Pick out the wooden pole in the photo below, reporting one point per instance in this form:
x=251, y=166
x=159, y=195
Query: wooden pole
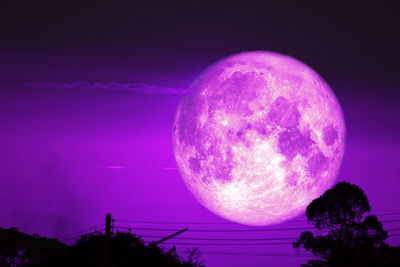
x=107, y=241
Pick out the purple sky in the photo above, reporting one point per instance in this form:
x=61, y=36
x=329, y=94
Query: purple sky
x=55, y=144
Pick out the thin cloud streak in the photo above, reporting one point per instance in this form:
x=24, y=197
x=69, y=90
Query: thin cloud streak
x=138, y=87
x=116, y=167
x=112, y=167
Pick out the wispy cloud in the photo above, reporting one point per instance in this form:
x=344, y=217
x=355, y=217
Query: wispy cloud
x=118, y=167
x=113, y=86
x=114, y=167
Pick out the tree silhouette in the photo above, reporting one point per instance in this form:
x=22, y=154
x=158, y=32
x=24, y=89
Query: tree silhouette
x=19, y=249
x=126, y=249
x=347, y=236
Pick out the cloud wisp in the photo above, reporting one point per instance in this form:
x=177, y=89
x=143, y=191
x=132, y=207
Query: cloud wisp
x=118, y=167
x=138, y=87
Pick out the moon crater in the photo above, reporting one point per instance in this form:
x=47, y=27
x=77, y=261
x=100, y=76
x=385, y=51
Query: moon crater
x=262, y=136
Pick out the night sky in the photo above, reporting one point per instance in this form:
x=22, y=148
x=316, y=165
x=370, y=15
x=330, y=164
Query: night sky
x=69, y=156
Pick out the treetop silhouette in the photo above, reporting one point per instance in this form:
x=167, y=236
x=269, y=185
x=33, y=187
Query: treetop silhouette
x=126, y=249
x=347, y=236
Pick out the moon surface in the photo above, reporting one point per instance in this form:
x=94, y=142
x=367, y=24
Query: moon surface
x=260, y=138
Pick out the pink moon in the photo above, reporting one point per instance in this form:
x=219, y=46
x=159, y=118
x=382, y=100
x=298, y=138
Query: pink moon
x=261, y=137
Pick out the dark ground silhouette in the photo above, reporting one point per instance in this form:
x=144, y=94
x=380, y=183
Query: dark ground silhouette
x=126, y=249
x=347, y=237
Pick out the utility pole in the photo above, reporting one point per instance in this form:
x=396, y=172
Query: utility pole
x=168, y=237
x=107, y=241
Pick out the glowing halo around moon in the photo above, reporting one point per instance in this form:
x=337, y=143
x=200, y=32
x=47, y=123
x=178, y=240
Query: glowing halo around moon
x=260, y=138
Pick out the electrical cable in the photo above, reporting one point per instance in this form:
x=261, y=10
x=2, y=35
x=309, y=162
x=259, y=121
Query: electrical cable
x=79, y=236
x=227, y=244
x=217, y=230
x=216, y=223
x=224, y=239
x=82, y=231
x=227, y=253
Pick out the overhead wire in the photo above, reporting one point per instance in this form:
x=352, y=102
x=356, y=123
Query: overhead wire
x=390, y=221
x=203, y=230
x=219, y=223
x=228, y=253
x=393, y=230
x=387, y=213
x=216, y=230
x=236, y=230
x=224, y=239
x=81, y=231
x=165, y=222
x=228, y=244
x=78, y=236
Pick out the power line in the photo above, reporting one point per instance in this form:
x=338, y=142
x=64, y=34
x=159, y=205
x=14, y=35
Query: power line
x=215, y=239
x=70, y=238
x=255, y=254
x=392, y=230
x=188, y=222
x=228, y=253
x=208, y=230
x=228, y=244
x=79, y=236
x=227, y=230
x=225, y=239
x=389, y=221
x=218, y=239
x=164, y=222
x=82, y=231
x=219, y=230
x=233, y=239
x=388, y=213
x=216, y=223
x=147, y=229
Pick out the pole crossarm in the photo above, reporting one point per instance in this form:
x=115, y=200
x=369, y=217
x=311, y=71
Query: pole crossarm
x=169, y=237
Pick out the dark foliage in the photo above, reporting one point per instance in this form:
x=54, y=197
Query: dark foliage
x=347, y=237
x=19, y=249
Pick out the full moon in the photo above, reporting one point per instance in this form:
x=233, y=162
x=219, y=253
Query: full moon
x=261, y=137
